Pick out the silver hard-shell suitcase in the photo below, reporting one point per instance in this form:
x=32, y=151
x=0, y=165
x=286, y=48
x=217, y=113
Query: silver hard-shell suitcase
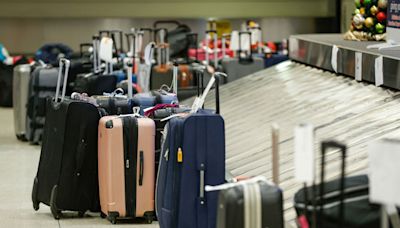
x=20, y=98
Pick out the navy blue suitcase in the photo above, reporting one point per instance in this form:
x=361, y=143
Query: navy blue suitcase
x=193, y=155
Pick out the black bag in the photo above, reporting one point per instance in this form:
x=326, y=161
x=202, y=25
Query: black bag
x=6, y=82
x=340, y=203
x=176, y=37
x=233, y=203
x=67, y=176
x=95, y=84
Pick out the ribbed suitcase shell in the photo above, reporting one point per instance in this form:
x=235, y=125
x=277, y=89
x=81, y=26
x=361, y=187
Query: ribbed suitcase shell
x=113, y=168
x=20, y=98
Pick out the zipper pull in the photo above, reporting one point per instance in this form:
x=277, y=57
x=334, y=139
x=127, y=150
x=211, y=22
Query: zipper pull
x=166, y=155
x=180, y=155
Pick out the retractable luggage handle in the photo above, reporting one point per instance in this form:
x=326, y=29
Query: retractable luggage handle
x=162, y=45
x=121, y=40
x=171, y=22
x=199, y=102
x=175, y=78
x=224, y=39
x=163, y=37
x=324, y=147
x=66, y=63
x=129, y=72
x=96, y=58
x=131, y=40
x=250, y=57
x=195, y=40
x=81, y=46
x=215, y=50
x=260, y=45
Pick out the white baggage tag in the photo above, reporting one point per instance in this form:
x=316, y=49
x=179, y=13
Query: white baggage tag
x=234, y=46
x=304, y=158
x=384, y=175
x=106, y=49
x=358, y=65
x=379, y=71
x=335, y=51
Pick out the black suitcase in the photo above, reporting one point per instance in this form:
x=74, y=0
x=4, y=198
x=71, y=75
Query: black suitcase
x=67, y=174
x=254, y=203
x=343, y=202
x=6, y=85
x=262, y=209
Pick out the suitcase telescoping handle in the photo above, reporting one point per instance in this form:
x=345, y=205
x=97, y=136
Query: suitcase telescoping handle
x=324, y=148
x=199, y=101
x=209, y=36
x=249, y=57
x=175, y=78
x=166, y=22
x=63, y=63
x=83, y=45
x=161, y=35
x=193, y=39
x=129, y=72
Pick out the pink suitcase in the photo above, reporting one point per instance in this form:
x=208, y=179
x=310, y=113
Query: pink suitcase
x=126, y=167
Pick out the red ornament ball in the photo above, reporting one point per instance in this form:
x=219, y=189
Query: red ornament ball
x=381, y=17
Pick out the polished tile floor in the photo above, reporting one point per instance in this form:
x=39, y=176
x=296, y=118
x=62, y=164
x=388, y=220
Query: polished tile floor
x=18, y=165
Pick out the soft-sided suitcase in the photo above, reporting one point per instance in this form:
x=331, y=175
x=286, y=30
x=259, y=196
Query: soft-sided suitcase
x=67, y=176
x=20, y=98
x=193, y=155
x=42, y=84
x=6, y=81
x=242, y=65
x=343, y=202
x=126, y=167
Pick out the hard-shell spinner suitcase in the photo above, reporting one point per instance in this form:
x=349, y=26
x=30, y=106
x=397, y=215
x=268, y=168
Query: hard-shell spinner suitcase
x=242, y=65
x=67, y=176
x=20, y=98
x=193, y=156
x=42, y=85
x=126, y=167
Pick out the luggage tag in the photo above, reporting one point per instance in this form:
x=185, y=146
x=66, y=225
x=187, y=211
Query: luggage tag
x=136, y=113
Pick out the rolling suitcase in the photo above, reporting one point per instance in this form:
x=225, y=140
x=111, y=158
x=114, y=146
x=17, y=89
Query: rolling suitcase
x=42, y=84
x=193, y=155
x=343, y=202
x=245, y=64
x=20, y=98
x=161, y=74
x=67, y=176
x=126, y=167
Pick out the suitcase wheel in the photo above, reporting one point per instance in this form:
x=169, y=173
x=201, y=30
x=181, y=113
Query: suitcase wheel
x=149, y=217
x=35, y=201
x=54, y=210
x=21, y=137
x=102, y=215
x=112, y=217
x=81, y=214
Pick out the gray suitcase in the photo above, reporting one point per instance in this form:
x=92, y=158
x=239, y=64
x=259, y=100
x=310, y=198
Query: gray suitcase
x=42, y=84
x=20, y=98
x=245, y=64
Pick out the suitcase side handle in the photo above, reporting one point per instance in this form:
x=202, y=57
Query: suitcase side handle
x=63, y=63
x=141, y=168
x=324, y=148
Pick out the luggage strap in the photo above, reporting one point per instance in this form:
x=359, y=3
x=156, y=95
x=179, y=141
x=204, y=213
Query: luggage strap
x=201, y=151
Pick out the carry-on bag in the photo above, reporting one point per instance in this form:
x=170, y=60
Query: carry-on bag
x=42, y=84
x=126, y=167
x=245, y=64
x=343, y=202
x=20, y=98
x=193, y=155
x=67, y=176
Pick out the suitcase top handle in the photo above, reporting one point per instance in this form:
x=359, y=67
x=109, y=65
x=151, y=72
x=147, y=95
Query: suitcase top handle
x=343, y=149
x=199, y=101
x=63, y=63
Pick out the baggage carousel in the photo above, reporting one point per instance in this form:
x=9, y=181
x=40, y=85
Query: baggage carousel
x=316, y=50
x=290, y=93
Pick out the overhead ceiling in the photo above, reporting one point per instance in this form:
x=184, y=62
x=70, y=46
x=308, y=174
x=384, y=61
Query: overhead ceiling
x=165, y=8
